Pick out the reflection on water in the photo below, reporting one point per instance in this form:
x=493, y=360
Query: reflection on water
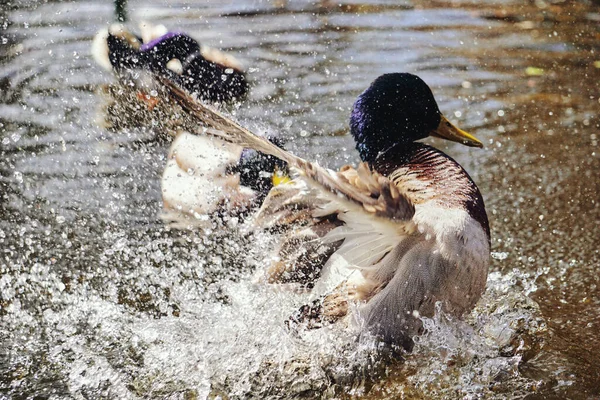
x=98, y=299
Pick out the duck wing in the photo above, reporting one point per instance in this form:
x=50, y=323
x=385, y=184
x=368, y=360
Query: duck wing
x=368, y=192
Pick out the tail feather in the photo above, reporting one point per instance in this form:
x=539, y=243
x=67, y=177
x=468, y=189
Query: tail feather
x=371, y=191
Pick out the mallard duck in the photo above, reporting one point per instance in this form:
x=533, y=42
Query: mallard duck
x=205, y=72
x=411, y=223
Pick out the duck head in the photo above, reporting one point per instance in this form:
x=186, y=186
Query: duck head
x=261, y=172
x=399, y=108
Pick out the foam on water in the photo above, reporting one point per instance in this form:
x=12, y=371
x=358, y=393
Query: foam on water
x=221, y=331
x=481, y=355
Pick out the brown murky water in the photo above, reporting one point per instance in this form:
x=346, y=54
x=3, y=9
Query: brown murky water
x=96, y=295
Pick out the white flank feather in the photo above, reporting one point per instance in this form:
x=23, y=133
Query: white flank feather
x=457, y=234
x=100, y=49
x=195, y=180
x=219, y=57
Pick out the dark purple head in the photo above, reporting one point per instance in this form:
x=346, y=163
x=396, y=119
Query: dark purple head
x=396, y=108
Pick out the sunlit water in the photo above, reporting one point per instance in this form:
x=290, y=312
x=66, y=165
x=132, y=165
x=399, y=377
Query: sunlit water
x=99, y=300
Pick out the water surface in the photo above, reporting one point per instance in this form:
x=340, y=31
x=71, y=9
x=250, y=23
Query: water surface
x=99, y=300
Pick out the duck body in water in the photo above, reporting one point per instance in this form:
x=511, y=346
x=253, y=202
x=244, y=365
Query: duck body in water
x=409, y=222
x=204, y=72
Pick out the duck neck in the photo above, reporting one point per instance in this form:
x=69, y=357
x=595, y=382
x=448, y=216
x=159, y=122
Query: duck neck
x=375, y=134
x=371, y=150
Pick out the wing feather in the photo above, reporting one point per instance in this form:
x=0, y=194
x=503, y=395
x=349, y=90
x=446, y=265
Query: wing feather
x=369, y=190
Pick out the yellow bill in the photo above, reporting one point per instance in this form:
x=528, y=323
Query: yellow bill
x=280, y=177
x=446, y=130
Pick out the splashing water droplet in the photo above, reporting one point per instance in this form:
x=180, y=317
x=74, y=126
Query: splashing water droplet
x=499, y=255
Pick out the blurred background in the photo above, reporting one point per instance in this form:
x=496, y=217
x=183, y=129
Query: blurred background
x=99, y=300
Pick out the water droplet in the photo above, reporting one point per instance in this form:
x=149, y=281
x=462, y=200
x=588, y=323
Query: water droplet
x=499, y=255
x=120, y=244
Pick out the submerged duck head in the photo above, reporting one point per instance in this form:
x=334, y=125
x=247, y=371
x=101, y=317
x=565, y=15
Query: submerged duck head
x=261, y=172
x=399, y=108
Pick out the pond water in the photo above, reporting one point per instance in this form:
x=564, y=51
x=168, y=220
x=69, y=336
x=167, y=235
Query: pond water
x=98, y=299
